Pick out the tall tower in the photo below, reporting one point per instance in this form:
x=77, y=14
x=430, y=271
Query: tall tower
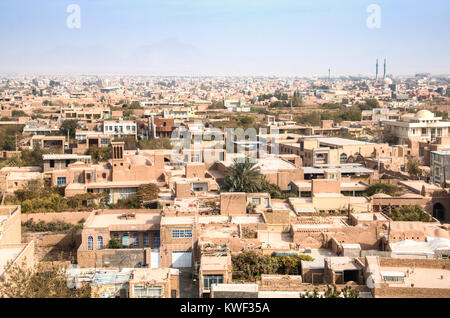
x=384, y=72
x=329, y=74
x=376, y=71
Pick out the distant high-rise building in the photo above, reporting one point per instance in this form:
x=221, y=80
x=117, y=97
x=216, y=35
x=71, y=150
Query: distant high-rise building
x=376, y=71
x=384, y=72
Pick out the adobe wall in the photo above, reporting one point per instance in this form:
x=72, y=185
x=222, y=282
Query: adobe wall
x=325, y=186
x=418, y=263
x=233, y=203
x=67, y=217
x=111, y=258
x=11, y=230
x=195, y=170
x=277, y=217
x=410, y=292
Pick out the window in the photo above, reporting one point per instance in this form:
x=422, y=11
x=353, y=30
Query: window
x=343, y=158
x=90, y=243
x=156, y=240
x=67, y=163
x=116, y=236
x=100, y=243
x=266, y=202
x=445, y=256
x=181, y=233
x=208, y=280
x=52, y=163
x=256, y=201
x=136, y=240
x=61, y=181
x=146, y=240
x=393, y=278
x=126, y=239
x=125, y=193
x=141, y=291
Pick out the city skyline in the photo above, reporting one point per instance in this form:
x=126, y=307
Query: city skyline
x=205, y=38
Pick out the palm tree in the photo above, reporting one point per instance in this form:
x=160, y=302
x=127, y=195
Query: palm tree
x=243, y=177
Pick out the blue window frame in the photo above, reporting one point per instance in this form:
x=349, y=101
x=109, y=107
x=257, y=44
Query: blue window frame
x=100, y=242
x=90, y=243
x=156, y=240
x=136, y=240
x=61, y=181
x=146, y=240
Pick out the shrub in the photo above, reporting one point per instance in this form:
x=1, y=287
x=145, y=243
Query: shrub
x=410, y=213
x=115, y=243
x=249, y=266
x=41, y=226
x=385, y=188
x=147, y=192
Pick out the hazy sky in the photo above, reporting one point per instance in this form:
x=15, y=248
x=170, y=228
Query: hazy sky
x=226, y=37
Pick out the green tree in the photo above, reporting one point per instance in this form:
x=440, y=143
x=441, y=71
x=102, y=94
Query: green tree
x=39, y=282
x=114, y=243
x=378, y=187
x=135, y=105
x=243, y=177
x=147, y=192
x=410, y=213
x=159, y=143
x=369, y=104
x=100, y=154
x=69, y=125
x=413, y=167
x=19, y=113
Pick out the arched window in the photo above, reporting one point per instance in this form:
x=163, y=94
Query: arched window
x=90, y=243
x=100, y=242
x=343, y=158
x=136, y=240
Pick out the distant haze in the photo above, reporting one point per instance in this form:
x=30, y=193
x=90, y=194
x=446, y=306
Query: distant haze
x=224, y=37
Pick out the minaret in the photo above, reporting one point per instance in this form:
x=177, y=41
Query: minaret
x=329, y=74
x=384, y=72
x=376, y=72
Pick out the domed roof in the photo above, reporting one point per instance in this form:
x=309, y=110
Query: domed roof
x=424, y=114
x=139, y=160
x=388, y=81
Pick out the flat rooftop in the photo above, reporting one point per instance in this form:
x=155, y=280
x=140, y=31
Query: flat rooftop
x=154, y=274
x=342, y=141
x=369, y=216
x=108, y=219
x=64, y=156
x=214, y=263
x=177, y=220
x=421, y=277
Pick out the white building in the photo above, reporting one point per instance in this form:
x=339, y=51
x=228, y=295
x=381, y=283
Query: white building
x=423, y=126
x=119, y=128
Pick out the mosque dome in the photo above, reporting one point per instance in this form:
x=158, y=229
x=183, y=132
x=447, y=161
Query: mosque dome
x=387, y=81
x=424, y=114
